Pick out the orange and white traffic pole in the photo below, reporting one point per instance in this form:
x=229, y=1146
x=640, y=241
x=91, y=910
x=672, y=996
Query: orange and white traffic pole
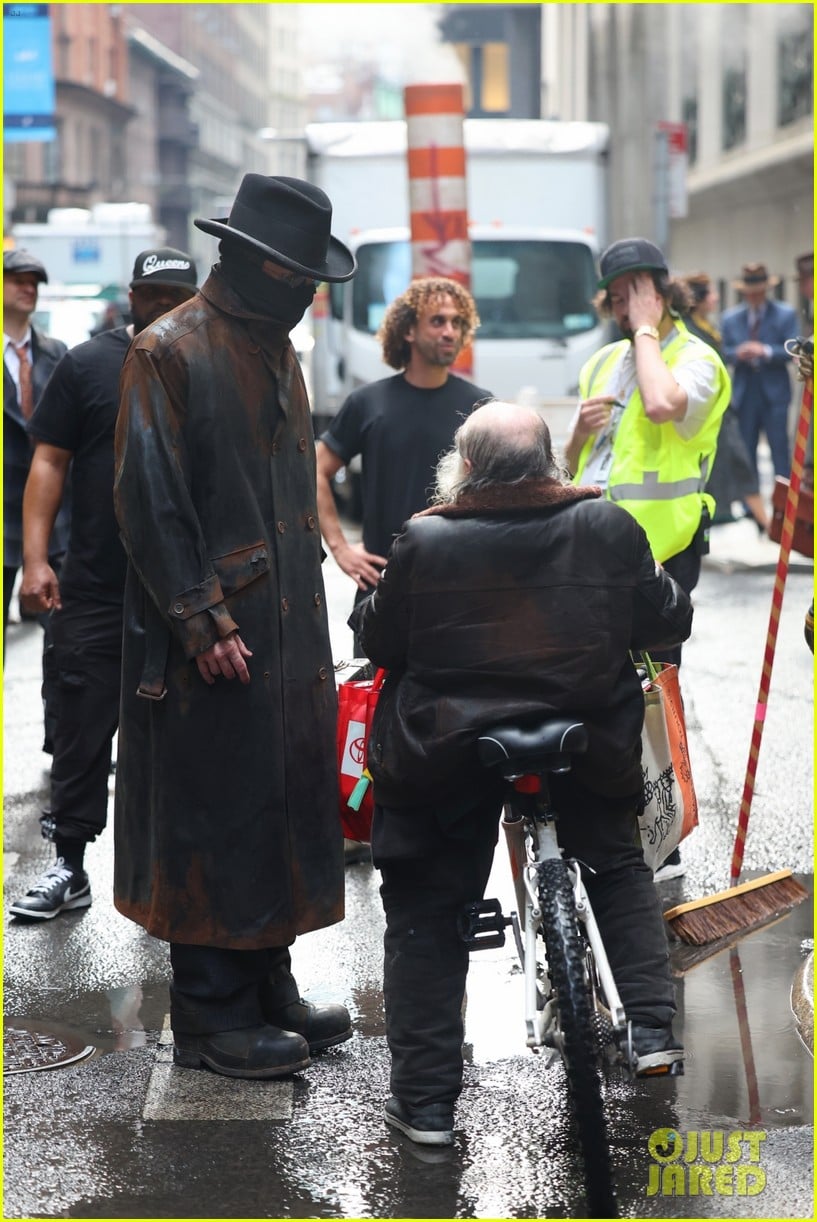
x=438, y=202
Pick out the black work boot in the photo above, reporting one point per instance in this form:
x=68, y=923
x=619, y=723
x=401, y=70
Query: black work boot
x=281, y=1004
x=249, y=1052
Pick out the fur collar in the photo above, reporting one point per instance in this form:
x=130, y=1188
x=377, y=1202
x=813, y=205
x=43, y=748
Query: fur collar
x=530, y=496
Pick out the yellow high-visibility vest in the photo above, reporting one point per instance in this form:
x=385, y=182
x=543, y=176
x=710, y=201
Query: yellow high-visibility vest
x=657, y=475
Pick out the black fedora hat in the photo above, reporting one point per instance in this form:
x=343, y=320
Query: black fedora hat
x=289, y=221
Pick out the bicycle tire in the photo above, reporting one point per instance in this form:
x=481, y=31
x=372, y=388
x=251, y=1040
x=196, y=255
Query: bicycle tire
x=566, y=966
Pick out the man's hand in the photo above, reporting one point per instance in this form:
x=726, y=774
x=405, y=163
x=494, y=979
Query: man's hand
x=363, y=567
x=645, y=305
x=751, y=350
x=225, y=658
x=594, y=415
x=39, y=588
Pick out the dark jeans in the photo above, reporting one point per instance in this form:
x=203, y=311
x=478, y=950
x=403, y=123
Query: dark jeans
x=758, y=415
x=685, y=568
x=216, y=989
x=429, y=873
x=87, y=650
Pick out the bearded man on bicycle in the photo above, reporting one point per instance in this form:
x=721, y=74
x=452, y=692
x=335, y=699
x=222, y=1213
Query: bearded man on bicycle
x=514, y=596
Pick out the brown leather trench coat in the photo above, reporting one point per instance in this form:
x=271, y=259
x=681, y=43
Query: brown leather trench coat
x=226, y=824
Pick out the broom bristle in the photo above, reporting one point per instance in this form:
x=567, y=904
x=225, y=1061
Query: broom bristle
x=720, y=915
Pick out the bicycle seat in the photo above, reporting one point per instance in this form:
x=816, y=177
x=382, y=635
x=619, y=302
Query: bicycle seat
x=541, y=746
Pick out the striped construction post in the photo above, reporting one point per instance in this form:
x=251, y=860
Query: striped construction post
x=761, y=706
x=438, y=203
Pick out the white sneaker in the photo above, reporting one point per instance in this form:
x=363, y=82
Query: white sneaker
x=673, y=867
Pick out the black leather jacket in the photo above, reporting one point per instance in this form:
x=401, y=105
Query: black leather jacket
x=519, y=601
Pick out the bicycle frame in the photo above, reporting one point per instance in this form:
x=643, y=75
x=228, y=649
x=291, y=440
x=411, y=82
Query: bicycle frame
x=531, y=838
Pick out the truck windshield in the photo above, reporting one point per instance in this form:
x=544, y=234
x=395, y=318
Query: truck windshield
x=524, y=289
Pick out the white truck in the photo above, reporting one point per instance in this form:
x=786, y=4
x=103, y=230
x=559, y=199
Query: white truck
x=97, y=245
x=537, y=209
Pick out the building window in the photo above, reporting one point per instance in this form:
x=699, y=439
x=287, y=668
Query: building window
x=795, y=65
x=496, y=89
x=733, y=41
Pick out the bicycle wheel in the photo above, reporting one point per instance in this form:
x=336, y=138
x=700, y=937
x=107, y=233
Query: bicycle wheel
x=566, y=965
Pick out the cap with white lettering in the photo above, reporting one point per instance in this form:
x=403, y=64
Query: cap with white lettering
x=164, y=266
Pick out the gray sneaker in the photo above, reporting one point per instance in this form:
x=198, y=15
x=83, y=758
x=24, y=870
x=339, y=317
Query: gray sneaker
x=59, y=889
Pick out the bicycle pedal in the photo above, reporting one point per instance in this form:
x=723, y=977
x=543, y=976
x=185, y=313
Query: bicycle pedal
x=481, y=925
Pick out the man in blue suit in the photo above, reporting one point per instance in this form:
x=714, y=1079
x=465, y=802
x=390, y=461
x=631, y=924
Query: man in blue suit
x=753, y=337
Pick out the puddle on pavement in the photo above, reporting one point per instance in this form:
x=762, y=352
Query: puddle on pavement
x=745, y=1057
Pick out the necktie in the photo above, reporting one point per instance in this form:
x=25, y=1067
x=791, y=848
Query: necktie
x=754, y=326
x=26, y=388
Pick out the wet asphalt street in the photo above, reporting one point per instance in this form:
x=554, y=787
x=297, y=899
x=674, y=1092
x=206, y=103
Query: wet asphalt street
x=122, y=1134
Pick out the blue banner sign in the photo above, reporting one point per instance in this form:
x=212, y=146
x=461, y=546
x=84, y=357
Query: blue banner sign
x=28, y=75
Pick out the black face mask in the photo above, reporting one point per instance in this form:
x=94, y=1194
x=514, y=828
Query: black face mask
x=273, y=298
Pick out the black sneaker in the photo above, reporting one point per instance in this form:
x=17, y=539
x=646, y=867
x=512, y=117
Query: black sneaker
x=60, y=888
x=672, y=867
x=430, y=1126
x=657, y=1051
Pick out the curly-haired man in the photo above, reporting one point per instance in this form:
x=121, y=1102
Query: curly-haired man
x=400, y=425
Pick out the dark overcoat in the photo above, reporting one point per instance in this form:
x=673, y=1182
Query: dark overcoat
x=226, y=825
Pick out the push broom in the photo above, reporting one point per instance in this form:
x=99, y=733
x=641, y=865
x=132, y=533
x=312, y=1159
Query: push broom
x=743, y=906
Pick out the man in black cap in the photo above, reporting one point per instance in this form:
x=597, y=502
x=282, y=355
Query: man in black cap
x=227, y=838
x=29, y=358
x=651, y=404
x=647, y=424
x=74, y=424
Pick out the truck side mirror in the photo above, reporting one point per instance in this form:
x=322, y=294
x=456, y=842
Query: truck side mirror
x=336, y=301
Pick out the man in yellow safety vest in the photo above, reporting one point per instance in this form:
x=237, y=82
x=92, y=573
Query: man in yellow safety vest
x=651, y=406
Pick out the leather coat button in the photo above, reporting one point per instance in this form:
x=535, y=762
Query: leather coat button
x=254, y=349
x=323, y=672
x=310, y=523
x=281, y=527
x=275, y=447
x=302, y=444
x=284, y=604
x=178, y=608
x=317, y=600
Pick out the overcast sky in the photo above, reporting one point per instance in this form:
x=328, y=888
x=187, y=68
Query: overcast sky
x=401, y=37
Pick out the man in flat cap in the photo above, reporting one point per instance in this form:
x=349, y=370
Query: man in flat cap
x=754, y=336
x=227, y=838
x=73, y=427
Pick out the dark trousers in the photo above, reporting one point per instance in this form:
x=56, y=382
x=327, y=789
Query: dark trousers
x=216, y=989
x=429, y=872
x=87, y=650
x=685, y=568
x=757, y=415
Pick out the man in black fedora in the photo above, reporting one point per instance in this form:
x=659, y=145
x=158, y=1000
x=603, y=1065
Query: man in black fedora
x=227, y=839
x=754, y=338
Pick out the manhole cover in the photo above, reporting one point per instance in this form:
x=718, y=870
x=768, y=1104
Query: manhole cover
x=27, y=1047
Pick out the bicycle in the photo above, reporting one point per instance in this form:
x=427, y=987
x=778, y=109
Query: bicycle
x=572, y=1005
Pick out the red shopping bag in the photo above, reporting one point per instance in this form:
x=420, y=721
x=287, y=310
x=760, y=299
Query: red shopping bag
x=357, y=700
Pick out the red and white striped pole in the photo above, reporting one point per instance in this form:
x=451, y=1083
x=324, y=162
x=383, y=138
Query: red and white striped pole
x=438, y=202
x=786, y=536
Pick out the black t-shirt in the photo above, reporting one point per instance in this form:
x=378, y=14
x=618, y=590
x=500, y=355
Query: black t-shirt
x=77, y=412
x=400, y=432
